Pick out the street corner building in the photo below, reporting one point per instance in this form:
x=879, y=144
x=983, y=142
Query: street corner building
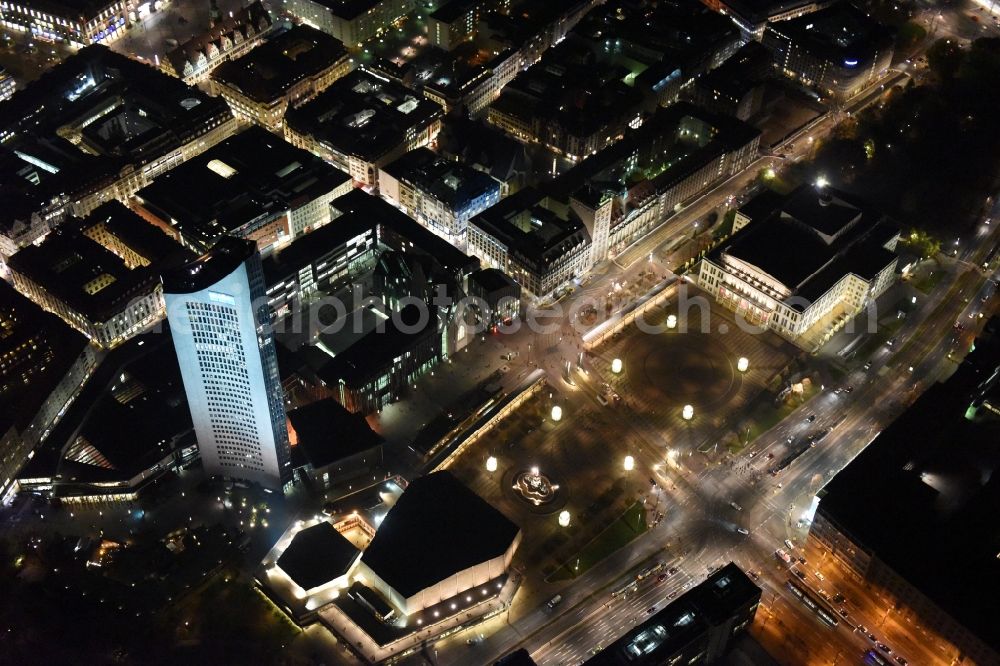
x=221, y=328
x=803, y=264
x=453, y=541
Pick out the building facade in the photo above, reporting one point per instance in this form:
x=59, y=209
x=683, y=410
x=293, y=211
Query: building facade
x=100, y=274
x=845, y=260
x=221, y=327
x=76, y=24
x=230, y=39
x=129, y=123
x=288, y=70
x=438, y=193
x=838, y=51
x=363, y=122
x=353, y=22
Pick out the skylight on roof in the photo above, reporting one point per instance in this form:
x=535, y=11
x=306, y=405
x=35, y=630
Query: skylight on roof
x=221, y=169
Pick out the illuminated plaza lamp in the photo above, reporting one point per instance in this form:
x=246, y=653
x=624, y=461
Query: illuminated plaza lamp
x=743, y=364
x=491, y=464
x=687, y=412
x=629, y=463
x=564, y=518
x=671, y=321
x=556, y=413
x=616, y=366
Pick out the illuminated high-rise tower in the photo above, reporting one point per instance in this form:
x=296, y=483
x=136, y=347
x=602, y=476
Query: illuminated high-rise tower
x=221, y=327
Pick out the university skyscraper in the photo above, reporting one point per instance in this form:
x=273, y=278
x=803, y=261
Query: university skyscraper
x=221, y=327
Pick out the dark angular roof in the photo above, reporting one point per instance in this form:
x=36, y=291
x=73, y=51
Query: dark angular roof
x=317, y=555
x=492, y=279
x=306, y=249
x=209, y=268
x=437, y=528
x=267, y=72
x=363, y=114
x=55, y=347
x=327, y=432
x=925, y=495
x=831, y=234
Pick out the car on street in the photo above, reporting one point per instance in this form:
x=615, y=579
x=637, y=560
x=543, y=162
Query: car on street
x=848, y=389
x=736, y=506
x=788, y=542
x=901, y=661
x=742, y=530
x=672, y=570
x=862, y=629
x=810, y=418
x=820, y=576
x=843, y=612
x=868, y=365
x=651, y=610
x=885, y=648
x=801, y=574
x=662, y=577
x=839, y=598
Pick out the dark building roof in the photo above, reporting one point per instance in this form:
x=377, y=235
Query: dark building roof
x=348, y=9
x=449, y=12
x=841, y=34
x=317, y=555
x=306, y=249
x=89, y=278
x=249, y=175
x=832, y=232
x=375, y=351
x=492, y=280
x=543, y=237
x=924, y=496
x=450, y=182
x=137, y=421
x=142, y=114
x=363, y=115
x=28, y=377
x=227, y=255
x=394, y=224
x=247, y=22
x=608, y=168
x=443, y=528
x=135, y=233
x=484, y=146
x=267, y=72
x=740, y=73
x=572, y=90
x=759, y=11
x=684, y=622
x=327, y=432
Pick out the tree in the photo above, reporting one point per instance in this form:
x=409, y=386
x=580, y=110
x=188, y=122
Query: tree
x=945, y=58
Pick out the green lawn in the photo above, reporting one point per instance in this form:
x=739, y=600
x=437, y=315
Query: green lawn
x=627, y=527
x=928, y=280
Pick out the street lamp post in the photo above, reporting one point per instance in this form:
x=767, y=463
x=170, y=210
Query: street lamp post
x=491, y=464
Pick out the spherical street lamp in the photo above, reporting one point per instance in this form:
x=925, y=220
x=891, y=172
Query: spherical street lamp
x=743, y=364
x=671, y=321
x=564, y=518
x=629, y=463
x=491, y=464
x=687, y=412
x=556, y=413
x=616, y=366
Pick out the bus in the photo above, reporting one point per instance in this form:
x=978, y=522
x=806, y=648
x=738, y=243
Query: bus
x=813, y=603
